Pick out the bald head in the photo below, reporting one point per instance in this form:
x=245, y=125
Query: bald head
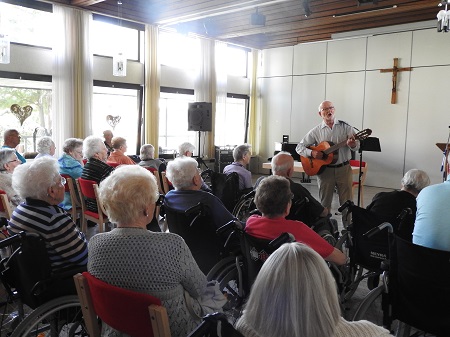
x=283, y=164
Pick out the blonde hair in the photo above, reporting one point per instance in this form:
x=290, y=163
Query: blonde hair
x=127, y=192
x=294, y=295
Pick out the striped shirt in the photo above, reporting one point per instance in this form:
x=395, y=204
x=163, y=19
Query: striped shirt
x=66, y=245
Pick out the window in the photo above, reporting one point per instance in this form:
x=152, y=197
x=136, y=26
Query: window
x=110, y=36
x=173, y=120
x=178, y=51
x=231, y=126
x=32, y=26
x=37, y=95
x=119, y=110
x=237, y=61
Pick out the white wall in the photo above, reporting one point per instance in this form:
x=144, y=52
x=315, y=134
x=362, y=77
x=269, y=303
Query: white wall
x=347, y=72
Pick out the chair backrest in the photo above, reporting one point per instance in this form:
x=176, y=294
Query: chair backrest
x=420, y=286
x=112, y=163
x=87, y=187
x=166, y=186
x=364, y=167
x=196, y=227
x=4, y=205
x=226, y=188
x=130, y=312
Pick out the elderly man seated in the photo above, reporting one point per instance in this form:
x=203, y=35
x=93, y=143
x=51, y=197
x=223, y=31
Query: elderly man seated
x=185, y=177
x=241, y=157
x=273, y=199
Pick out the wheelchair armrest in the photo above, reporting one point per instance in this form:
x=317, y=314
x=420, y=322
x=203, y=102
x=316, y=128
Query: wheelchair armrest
x=348, y=204
x=196, y=209
x=232, y=224
x=283, y=238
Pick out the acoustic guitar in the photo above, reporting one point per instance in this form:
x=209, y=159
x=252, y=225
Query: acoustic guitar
x=313, y=166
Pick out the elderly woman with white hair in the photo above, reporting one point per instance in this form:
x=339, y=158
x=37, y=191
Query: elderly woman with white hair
x=8, y=162
x=388, y=205
x=295, y=295
x=186, y=149
x=147, y=156
x=39, y=183
x=131, y=257
x=45, y=147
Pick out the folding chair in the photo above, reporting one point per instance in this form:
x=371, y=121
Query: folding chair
x=130, y=312
x=76, y=209
x=89, y=189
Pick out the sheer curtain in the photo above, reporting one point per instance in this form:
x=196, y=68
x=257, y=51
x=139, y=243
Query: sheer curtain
x=221, y=77
x=254, y=134
x=152, y=87
x=72, y=75
x=204, y=88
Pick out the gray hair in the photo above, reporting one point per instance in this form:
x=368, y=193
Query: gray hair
x=185, y=147
x=33, y=178
x=273, y=195
x=8, y=133
x=181, y=171
x=70, y=144
x=44, y=144
x=127, y=192
x=240, y=151
x=147, y=152
x=415, y=179
x=91, y=146
x=284, y=166
x=117, y=142
x=310, y=308
x=5, y=156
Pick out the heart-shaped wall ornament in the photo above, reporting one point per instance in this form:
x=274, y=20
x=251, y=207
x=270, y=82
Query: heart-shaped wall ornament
x=21, y=113
x=113, y=120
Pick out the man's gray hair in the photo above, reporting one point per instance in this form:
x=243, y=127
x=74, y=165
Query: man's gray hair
x=91, y=146
x=283, y=167
x=273, y=195
x=32, y=179
x=6, y=155
x=43, y=145
x=240, y=151
x=415, y=179
x=147, y=152
x=181, y=171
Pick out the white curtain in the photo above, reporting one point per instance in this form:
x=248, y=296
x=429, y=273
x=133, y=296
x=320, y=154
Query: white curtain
x=72, y=75
x=221, y=77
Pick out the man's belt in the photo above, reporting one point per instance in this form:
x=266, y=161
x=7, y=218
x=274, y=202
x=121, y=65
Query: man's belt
x=339, y=165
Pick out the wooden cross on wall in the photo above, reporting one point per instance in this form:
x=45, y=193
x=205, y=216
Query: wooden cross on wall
x=394, y=70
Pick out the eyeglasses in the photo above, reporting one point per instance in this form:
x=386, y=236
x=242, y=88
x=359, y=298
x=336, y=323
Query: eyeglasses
x=327, y=109
x=13, y=161
x=63, y=181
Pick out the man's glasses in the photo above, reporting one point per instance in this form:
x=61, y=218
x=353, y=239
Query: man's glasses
x=328, y=109
x=13, y=161
x=63, y=181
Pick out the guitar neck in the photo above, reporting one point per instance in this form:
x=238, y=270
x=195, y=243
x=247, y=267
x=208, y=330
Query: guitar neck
x=335, y=147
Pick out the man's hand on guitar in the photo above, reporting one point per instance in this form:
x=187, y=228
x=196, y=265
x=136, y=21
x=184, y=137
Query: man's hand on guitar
x=351, y=142
x=317, y=154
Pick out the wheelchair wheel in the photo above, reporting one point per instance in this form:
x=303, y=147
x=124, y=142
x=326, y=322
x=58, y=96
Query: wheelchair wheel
x=59, y=317
x=327, y=236
x=242, y=209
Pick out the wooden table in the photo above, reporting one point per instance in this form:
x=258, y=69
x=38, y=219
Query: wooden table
x=299, y=168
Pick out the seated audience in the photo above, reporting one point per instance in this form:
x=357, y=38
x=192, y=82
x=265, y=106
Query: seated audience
x=388, y=205
x=295, y=295
x=131, y=257
x=39, y=183
x=71, y=163
x=11, y=138
x=108, y=135
x=273, y=199
x=283, y=166
x=147, y=157
x=8, y=162
x=185, y=177
x=432, y=226
x=186, y=149
x=95, y=168
x=241, y=157
x=45, y=147
x=118, y=156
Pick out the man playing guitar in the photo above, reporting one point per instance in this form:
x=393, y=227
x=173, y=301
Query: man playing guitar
x=337, y=171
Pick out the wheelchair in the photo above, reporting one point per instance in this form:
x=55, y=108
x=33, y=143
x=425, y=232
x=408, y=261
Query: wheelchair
x=214, y=325
x=42, y=300
x=415, y=289
x=236, y=273
x=365, y=256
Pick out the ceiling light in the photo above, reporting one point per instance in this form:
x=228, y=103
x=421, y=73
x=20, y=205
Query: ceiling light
x=119, y=59
x=306, y=8
x=258, y=19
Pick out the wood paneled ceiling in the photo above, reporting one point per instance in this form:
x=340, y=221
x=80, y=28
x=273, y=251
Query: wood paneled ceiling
x=285, y=21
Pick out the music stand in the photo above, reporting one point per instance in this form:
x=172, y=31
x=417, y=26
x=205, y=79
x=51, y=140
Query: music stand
x=444, y=147
x=369, y=144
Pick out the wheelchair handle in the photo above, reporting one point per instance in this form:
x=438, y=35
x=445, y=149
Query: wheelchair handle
x=283, y=238
x=234, y=224
x=249, y=194
x=404, y=213
x=378, y=229
x=12, y=239
x=345, y=205
x=195, y=209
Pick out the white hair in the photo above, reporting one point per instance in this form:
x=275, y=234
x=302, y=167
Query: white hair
x=147, y=152
x=181, y=171
x=91, y=146
x=240, y=151
x=44, y=144
x=33, y=178
x=281, y=168
x=6, y=155
x=294, y=295
x=415, y=179
x=185, y=147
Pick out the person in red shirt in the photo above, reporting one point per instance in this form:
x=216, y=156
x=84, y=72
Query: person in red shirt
x=273, y=199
